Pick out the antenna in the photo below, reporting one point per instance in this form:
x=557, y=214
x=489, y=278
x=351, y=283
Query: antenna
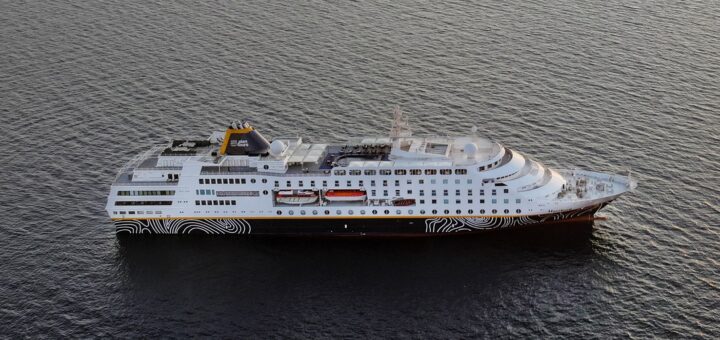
x=400, y=124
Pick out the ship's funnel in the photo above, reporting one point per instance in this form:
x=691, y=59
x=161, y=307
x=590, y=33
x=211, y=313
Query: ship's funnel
x=243, y=139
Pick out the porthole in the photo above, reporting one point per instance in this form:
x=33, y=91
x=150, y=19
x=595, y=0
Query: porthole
x=398, y=212
x=350, y=212
x=264, y=180
x=339, y=212
x=434, y=211
x=374, y=212
x=506, y=211
x=314, y=212
x=252, y=180
x=265, y=192
x=279, y=212
x=266, y=167
x=302, y=212
x=410, y=212
x=447, y=211
x=387, y=212
x=422, y=212
x=494, y=211
x=470, y=211
x=362, y=212
x=327, y=212
x=482, y=211
x=518, y=211
x=291, y=212
x=458, y=211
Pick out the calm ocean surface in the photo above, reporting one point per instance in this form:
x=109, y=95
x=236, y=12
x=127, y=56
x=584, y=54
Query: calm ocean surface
x=603, y=85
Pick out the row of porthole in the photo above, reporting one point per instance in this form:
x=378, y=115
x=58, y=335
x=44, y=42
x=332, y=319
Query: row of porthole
x=387, y=212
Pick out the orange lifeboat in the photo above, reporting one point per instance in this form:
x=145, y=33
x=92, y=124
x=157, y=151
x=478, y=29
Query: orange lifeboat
x=345, y=195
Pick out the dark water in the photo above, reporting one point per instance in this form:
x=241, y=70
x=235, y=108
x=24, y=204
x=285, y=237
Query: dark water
x=602, y=85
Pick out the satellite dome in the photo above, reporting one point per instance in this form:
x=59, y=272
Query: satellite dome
x=470, y=149
x=277, y=147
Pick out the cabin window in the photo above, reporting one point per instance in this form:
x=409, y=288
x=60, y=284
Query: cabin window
x=482, y=192
x=470, y=201
x=445, y=192
x=349, y=183
x=397, y=192
x=461, y=171
x=430, y=172
x=409, y=182
x=384, y=183
x=481, y=168
x=446, y=171
x=401, y=172
x=277, y=184
x=197, y=202
x=421, y=181
x=457, y=181
x=337, y=184
x=215, y=202
x=355, y=172
x=506, y=191
x=494, y=201
x=339, y=172
x=434, y=201
x=433, y=193
x=494, y=192
x=482, y=201
x=233, y=202
x=324, y=183
x=386, y=172
x=409, y=192
x=300, y=184
x=517, y=200
x=372, y=183
x=360, y=183
x=469, y=192
x=457, y=201
x=422, y=202
x=422, y=192
x=373, y=193
x=370, y=172
x=225, y=181
x=212, y=181
x=288, y=184
x=385, y=192
x=201, y=181
x=312, y=183
x=457, y=192
x=415, y=172
x=506, y=201
x=445, y=181
x=445, y=201
x=469, y=181
x=397, y=183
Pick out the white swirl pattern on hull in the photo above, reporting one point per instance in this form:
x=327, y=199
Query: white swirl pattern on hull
x=176, y=226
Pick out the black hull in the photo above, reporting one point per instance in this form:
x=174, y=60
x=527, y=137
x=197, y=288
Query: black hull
x=372, y=227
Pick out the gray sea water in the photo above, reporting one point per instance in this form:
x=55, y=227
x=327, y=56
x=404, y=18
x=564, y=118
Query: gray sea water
x=602, y=85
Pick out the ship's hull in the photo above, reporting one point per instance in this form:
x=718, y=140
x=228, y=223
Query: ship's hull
x=343, y=226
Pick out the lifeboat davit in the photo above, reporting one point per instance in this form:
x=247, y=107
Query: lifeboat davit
x=345, y=195
x=300, y=197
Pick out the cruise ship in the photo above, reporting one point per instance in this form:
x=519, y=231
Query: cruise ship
x=238, y=182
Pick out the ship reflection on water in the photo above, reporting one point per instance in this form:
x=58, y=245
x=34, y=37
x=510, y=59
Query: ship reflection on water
x=245, y=282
